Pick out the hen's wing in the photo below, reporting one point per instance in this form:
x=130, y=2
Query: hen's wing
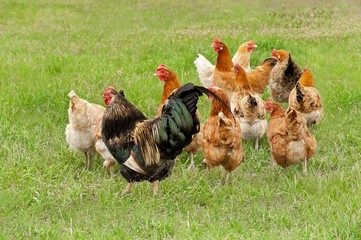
x=260, y=76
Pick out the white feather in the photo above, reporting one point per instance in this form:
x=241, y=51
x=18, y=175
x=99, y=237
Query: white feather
x=132, y=164
x=205, y=70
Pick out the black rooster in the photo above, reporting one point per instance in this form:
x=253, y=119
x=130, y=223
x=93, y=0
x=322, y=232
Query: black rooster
x=146, y=148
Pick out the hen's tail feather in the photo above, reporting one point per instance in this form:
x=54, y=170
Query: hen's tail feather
x=205, y=70
x=72, y=94
x=299, y=94
x=73, y=98
x=291, y=114
x=272, y=61
x=291, y=120
x=252, y=101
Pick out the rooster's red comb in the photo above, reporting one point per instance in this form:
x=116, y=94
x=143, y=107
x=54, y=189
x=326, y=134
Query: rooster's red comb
x=109, y=89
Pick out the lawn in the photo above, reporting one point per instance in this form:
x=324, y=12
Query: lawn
x=50, y=47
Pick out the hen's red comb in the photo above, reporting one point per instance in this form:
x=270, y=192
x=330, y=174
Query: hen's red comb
x=162, y=66
x=216, y=41
x=269, y=100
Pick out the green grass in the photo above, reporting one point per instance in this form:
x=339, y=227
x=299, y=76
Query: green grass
x=48, y=48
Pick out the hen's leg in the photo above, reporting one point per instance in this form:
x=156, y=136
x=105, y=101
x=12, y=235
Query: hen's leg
x=88, y=157
x=273, y=163
x=204, y=163
x=191, y=158
x=228, y=174
x=109, y=164
x=128, y=188
x=155, y=187
x=305, y=166
x=256, y=146
x=111, y=170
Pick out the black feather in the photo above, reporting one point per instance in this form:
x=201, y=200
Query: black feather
x=272, y=61
x=127, y=132
x=115, y=124
x=290, y=67
x=252, y=101
x=209, y=92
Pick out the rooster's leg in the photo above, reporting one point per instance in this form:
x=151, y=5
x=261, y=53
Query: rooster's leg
x=191, y=158
x=228, y=174
x=128, y=188
x=305, y=166
x=256, y=145
x=155, y=187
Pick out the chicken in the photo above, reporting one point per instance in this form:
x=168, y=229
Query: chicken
x=146, y=148
x=83, y=131
x=171, y=83
x=242, y=57
x=259, y=77
x=288, y=136
x=223, y=75
x=109, y=160
x=306, y=99
x=284, y=75
x=222, y=136
x=248, y=107
x=242, y=86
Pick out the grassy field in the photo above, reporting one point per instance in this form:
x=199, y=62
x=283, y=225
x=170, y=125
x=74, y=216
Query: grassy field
x=48, y=48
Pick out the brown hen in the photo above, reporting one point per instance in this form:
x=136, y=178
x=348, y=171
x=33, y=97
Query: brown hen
x=288, y=136
x=222, y=136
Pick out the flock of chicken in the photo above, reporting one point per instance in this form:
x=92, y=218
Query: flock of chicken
x=146, y=149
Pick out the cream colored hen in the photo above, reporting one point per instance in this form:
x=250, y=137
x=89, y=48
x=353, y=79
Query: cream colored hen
x=83, y=132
